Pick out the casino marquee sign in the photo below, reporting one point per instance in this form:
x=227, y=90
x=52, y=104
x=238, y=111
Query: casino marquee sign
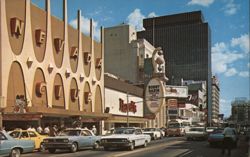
x=154, y=95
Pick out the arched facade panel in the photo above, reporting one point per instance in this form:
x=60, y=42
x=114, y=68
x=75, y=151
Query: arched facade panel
x=15, y=15
x=39, y=91
x=58, y=98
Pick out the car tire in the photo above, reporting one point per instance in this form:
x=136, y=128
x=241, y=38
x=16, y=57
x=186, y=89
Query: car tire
x=42, y=147
x=155, y=137
x=73, y=147
x=132, y=146
x=15, y=152
x=96, y=145
x=145, y=144
x=52, y=150
x=106, y=148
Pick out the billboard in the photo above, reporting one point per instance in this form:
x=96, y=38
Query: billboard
x=154, y=95
x=177, y=91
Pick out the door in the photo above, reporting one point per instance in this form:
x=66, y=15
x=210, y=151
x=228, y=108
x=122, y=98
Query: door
x=87, y=138
x=33, y=136
x=5, y=144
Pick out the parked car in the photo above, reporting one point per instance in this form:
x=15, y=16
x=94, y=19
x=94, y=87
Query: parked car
x=196, y=133
x=129, y=137
x=29, y=135
x=12, y=147
x=73, y=140
x=154, y=133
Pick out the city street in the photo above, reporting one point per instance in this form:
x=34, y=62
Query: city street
x=167, y=147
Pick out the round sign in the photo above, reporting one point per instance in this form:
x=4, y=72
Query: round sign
x=154, y=95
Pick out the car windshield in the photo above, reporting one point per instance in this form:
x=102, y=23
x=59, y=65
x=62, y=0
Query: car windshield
x=124, y=131
x=217, y=131
x=149, y=129
x=197, y=129
x=174, y=125
x=15, y=134
x=70, y=133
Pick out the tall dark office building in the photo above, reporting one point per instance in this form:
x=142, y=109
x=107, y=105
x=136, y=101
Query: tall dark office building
x=186, y=42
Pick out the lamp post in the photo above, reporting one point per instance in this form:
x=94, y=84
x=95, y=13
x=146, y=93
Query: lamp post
x=127, y=110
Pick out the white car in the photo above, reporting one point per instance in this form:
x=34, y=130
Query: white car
x=125, y=138
x=153, y=132
x=196, y=133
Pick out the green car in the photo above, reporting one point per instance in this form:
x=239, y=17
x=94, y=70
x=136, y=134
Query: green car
x=12, y=147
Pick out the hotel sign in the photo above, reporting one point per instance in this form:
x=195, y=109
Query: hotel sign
x=154, y=94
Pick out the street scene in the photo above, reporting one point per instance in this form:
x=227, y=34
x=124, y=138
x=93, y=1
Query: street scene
x=124, y=78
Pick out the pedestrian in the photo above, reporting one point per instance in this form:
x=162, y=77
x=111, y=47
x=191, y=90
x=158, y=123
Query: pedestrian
x=227, y=140
x=94, y=129
x=39, y=129
x=46, y=130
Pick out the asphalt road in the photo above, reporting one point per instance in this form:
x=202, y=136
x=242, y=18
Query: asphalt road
x=167, y=147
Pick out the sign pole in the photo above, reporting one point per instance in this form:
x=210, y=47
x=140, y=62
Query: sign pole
x=127, y=110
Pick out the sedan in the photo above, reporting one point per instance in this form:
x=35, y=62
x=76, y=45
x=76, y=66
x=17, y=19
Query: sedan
x=73, y=140
x=12, y=147
x=125, y=138
x=196, y=133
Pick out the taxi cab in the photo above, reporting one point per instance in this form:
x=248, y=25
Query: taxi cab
x=29, y=135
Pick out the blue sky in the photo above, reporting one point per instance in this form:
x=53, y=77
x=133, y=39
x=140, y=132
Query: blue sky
x=228, y=20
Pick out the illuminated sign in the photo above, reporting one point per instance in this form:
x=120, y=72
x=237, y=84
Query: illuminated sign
x=177, y=91
x=130, y=107
x=154, y=95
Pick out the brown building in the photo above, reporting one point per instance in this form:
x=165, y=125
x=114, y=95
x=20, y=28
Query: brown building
x=49, y=71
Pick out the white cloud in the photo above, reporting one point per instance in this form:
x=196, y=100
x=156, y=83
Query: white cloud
x=244, y=73
x=248, y=65
x=152, y=14
x=231, y=8
x=85, y=26
x=231, y=72
x=136, y=19
x=242, y=42
x=204, y=3
x=225, y=107
x=222, y=57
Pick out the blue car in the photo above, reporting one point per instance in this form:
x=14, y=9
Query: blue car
x=72, y=140
x=216, y=137
x=12, y=147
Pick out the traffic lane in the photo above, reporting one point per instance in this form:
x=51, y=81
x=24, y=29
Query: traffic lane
x=101, y=152
x=193, y=149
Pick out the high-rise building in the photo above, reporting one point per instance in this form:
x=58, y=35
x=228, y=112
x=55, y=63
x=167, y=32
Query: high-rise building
x=215, y=99
x=125, y=53
x=241, y=111
x=186, y=42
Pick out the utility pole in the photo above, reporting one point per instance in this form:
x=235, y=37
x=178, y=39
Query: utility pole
x=127, y=110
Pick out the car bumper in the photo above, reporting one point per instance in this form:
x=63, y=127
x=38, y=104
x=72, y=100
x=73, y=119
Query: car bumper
x=57, y=145
x=115, y=144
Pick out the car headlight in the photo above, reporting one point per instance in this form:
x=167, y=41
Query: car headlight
x=65, y=140
x=45, y=140
x=124, y=140
x=103, y=140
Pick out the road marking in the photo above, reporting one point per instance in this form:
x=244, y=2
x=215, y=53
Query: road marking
x=149, y=148
x=186, y=153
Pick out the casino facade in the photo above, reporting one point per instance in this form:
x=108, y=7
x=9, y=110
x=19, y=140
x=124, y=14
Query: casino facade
x=49, y=71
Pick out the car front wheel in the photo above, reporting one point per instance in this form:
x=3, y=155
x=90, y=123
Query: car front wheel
x=52, y=150
x=132, y=146
x=15, y=152
x=96, y=145
x=73, y=148
x=145, y=144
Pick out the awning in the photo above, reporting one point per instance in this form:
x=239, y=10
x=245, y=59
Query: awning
x=123, y=119
x=35, y=113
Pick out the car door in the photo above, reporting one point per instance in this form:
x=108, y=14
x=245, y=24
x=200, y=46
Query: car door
x=33, y=137
x=139, y=137
x=86, y=138
x=5, y=144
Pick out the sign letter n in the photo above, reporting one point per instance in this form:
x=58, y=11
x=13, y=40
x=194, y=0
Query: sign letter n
x=17, y=26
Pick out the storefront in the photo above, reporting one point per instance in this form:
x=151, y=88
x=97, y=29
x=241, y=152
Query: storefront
x=49, y=71
x=124, y=102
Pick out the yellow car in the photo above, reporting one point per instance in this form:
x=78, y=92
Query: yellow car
x=29, y=135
